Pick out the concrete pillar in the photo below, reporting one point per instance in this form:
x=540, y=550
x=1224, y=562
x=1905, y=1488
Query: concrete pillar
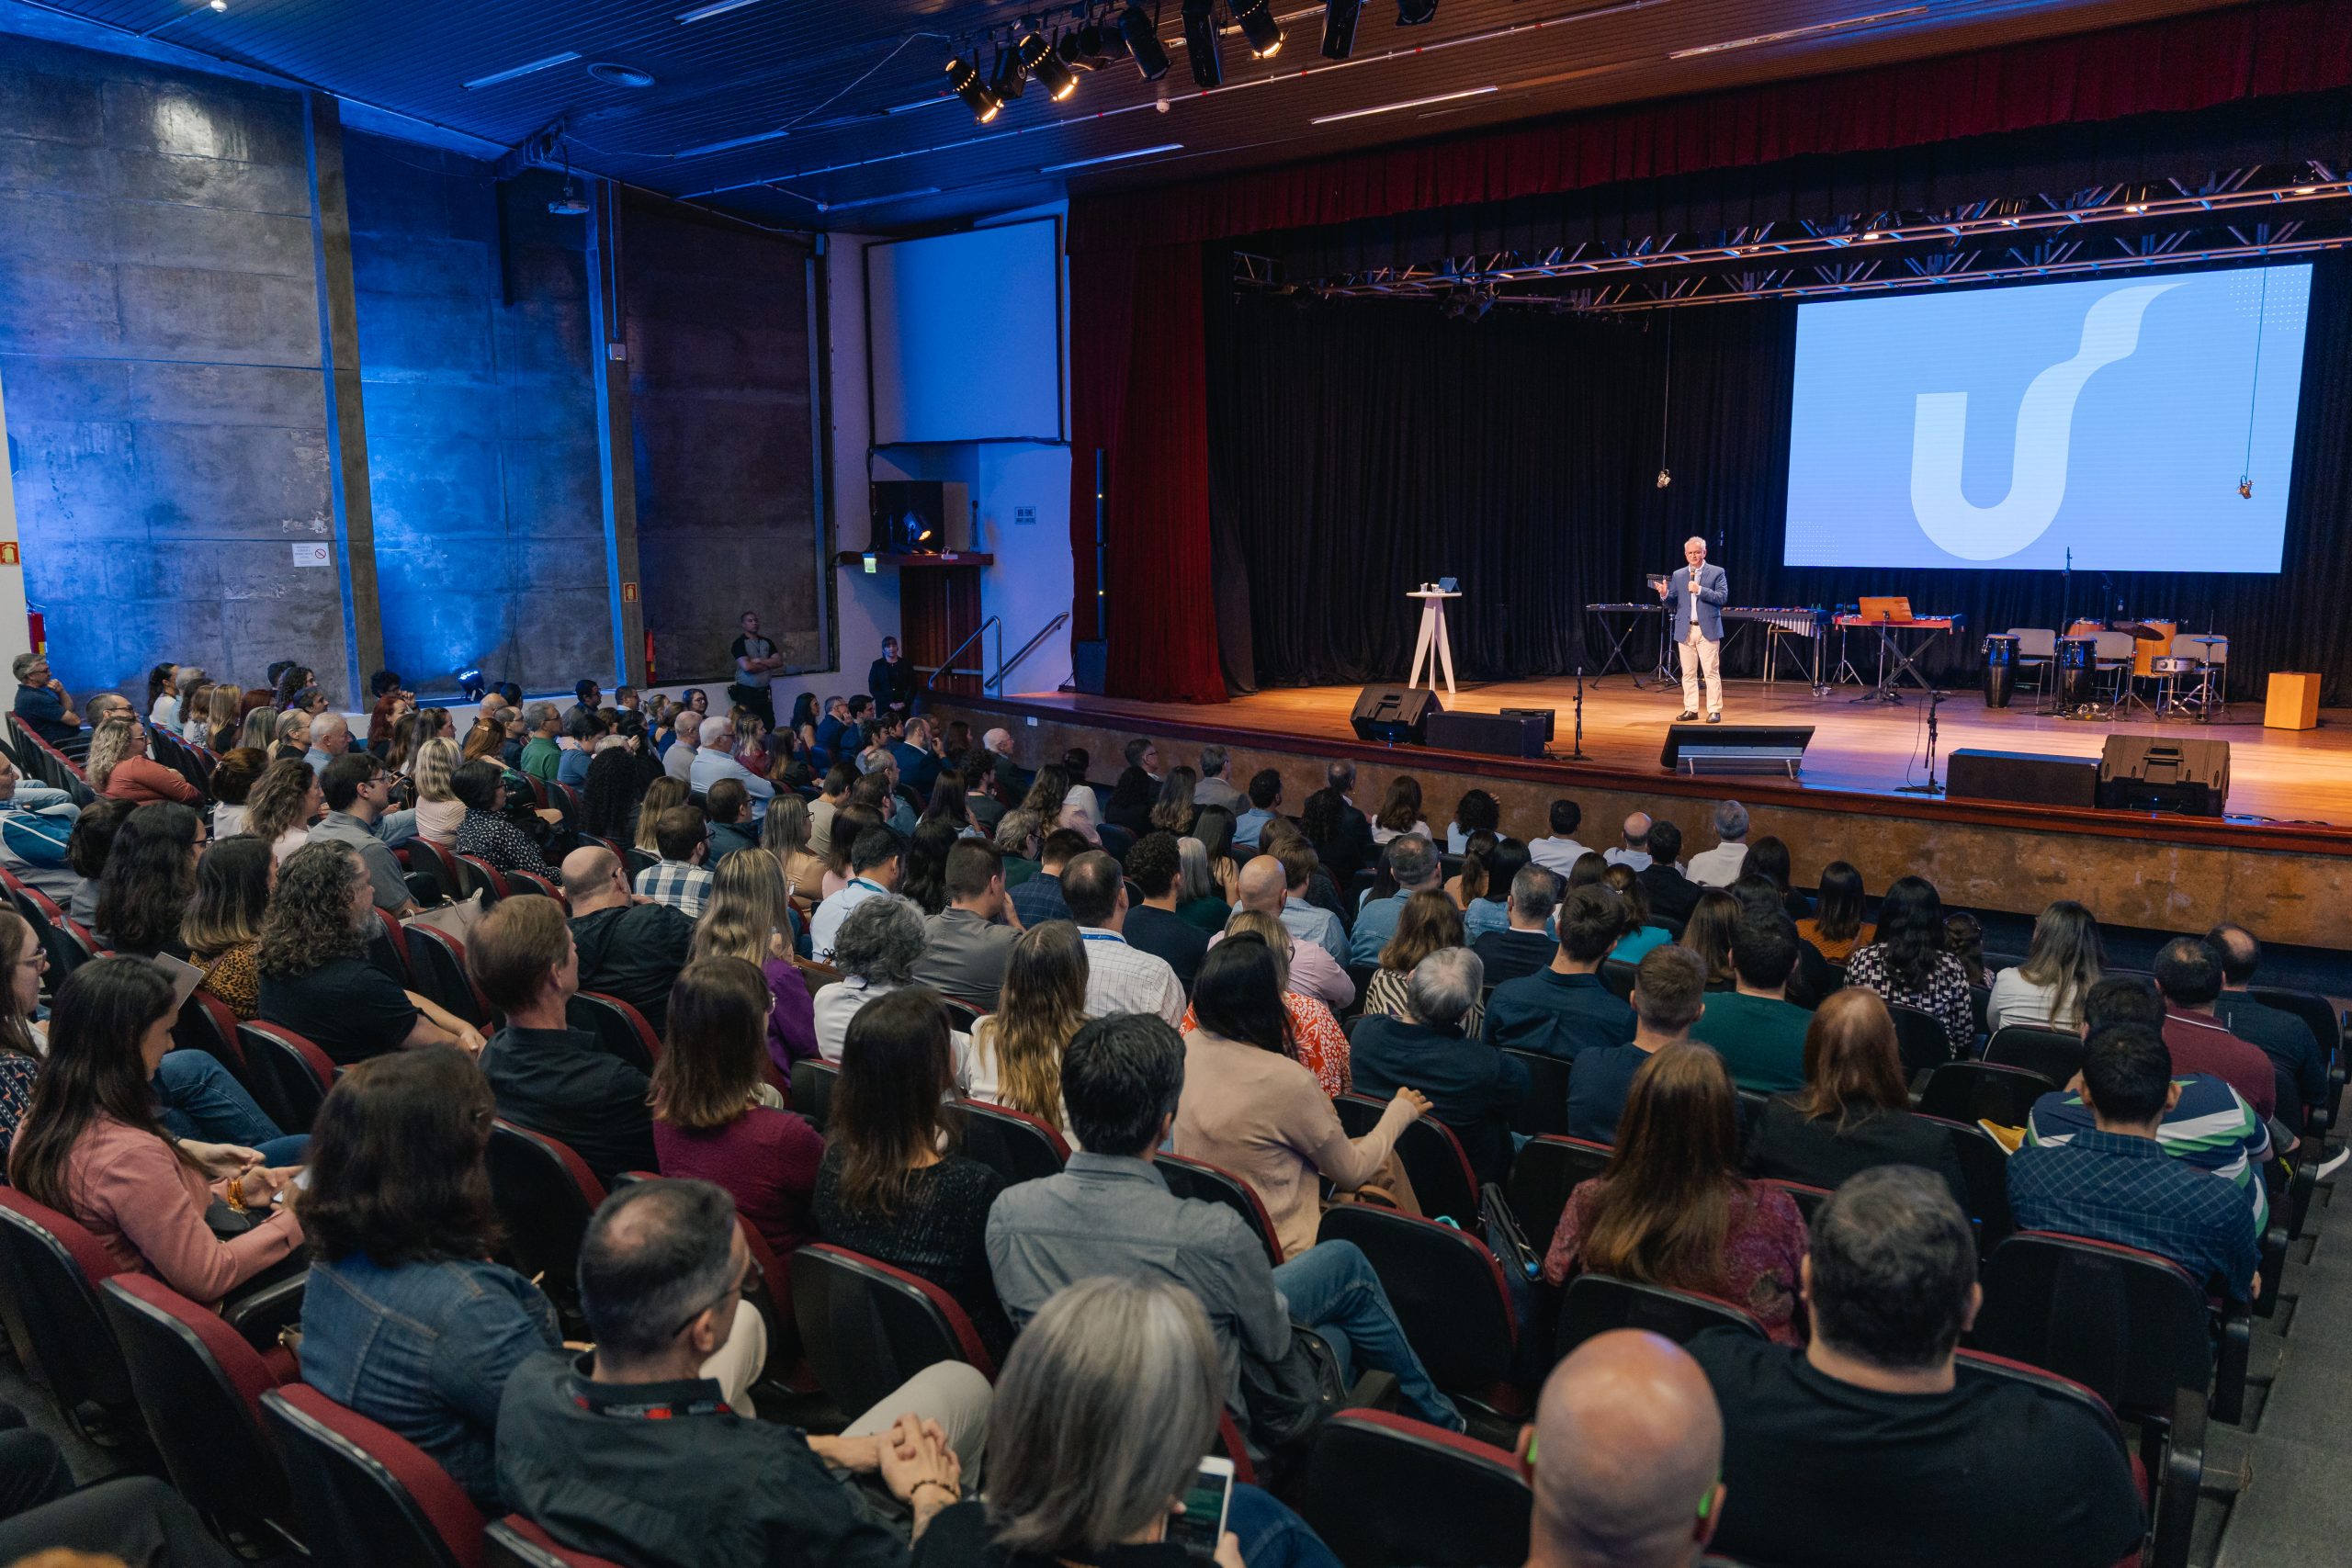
x=355, y=520
x=615, y=437
x=15, y=636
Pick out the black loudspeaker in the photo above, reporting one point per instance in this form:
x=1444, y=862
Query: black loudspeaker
x=2151, y=772
x=1736, y=748
x=1087, y=662
x=1546, y=716
x=2026, y=778
x=1396, y=714
x=1496, y=735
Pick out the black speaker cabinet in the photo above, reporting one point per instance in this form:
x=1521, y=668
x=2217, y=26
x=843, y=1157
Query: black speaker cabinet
x=1496, y=734
x=2026, y=778
x=1396, y=714
x=1546, y=716
x=2187, y=774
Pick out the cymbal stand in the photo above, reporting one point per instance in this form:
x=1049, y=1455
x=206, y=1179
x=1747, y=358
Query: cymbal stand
x=1577, y=754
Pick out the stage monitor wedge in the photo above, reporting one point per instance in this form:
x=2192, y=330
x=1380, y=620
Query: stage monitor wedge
x=2189, y=775
x=1737, y=748
x=1396, y=714
x=1496, y=734
x=2021, y=778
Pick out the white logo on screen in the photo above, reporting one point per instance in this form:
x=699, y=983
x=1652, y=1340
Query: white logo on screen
x=2045, y=428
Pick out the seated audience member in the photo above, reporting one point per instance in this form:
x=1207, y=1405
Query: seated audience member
x=1214, y=788
x=41, y=700
x=293, y=742
x=1017, y=836
x=1629, y=1435
x=678, y=761
x=1314, y=971
x=1214, y=828
x=1487, y=909
x=1252, y=1106
x=1670, y=992
x=1101, y=1415
x=87, y=848
x=1413, y=861
x=1854, y=1111
x=2207, y=1125
x=91, y=1146
x=624, y=948
x=878, y=863
x=2188, y=979
x=748, y=917
x=1119, y=977
x=918, y=756
x=729, y=825
x=130, y=1519
x=1265, y=804
x=789, y=835
x=2295, y=1055
x=1476, y=812
x=1671, y=894
x=1640, y=934
x=1708, y=933
x=967, y=945
x=1109, y=1212
x=485, y=831
x=582, y=728
x=879, y=944
x=1633, y=851
x=1720, y=866
x=1039, y=897
x=405, y=1319
x=547, y=1075
x=2113, y=1180
x=1868, y=1447
x=119, y=768
x=1563, y=1009
x=1836, y=925
x=1132, y=801
x=1155, y=865
x=1400, y=813
x=709, y=1121
x=221, y=929
x=1341, y=834
x=1315, y=1035
x=1524, y=945
x=150, y=876
x=1017, y=1059
x=1964, y=940
x=1758, y=1032
x=1311, y=904
x=439, y=812
x=315, y=975
x=21, y=1050
x=36, y=823
x=1430, y=922
x=329, y=738
x=680, y=878
x=636, y=1451
x=1672, y=1209
x=1202, y=900
x=1761, y=898
x=892, y=1185
x=281, y=807
x=1768, y=857
x=231, y=786
x=542, y=754
x=1910, y=966
x=1471, y=1085
x=1558, y=851
x=357, y=792
x=2047, y=990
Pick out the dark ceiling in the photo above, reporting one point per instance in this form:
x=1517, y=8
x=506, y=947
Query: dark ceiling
x=839, y=119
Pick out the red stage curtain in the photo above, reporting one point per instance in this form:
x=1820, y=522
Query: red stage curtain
x=2186, y=63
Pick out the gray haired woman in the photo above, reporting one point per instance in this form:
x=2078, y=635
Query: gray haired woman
x=876, y=952
x=1106, y=1405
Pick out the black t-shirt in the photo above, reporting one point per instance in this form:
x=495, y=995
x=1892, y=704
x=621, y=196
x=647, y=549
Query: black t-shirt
x=346, y=1006
x=750, y=647
x=1819, y=1473
x=1163, y=934
x=1508, y=954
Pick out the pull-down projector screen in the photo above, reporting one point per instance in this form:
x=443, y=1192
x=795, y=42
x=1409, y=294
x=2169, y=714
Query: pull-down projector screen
x=964, y=335
x=2001, y=427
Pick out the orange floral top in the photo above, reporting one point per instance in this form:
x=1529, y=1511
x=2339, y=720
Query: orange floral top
x=1322, y=1044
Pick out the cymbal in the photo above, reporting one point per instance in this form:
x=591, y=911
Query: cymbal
x=2142, y=632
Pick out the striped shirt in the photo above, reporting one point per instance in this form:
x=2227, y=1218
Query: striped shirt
x=2212, y=1129
x=1120, y=978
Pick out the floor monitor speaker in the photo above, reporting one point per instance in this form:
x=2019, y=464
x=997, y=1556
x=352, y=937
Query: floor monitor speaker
x=1496, y=735
x=2025, y=778
x=1737, y=748
x=1397, y=715
x=2189, y=774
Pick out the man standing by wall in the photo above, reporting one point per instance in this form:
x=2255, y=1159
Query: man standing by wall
x=755, y=657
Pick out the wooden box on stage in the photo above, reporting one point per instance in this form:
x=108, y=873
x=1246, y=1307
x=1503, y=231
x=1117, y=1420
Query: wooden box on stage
x=2293, y=701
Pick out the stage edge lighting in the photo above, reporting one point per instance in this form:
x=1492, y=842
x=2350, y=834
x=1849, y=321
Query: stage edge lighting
x=964, y=81
x=1256, y=20
x=1142, y=35
x=1340, y=28
x=1201, y=45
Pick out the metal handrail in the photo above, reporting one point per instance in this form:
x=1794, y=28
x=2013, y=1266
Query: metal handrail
x=947, y=665
x=1005, y=668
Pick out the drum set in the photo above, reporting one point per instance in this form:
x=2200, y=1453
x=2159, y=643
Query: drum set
x=2097, y=671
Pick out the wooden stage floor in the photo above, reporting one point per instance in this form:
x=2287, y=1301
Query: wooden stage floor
x=1860, y=747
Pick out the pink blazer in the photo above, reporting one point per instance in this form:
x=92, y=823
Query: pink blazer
x=146, y=1208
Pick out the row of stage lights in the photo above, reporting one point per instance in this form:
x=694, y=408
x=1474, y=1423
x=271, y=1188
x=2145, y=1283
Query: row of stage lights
x=1096, y=41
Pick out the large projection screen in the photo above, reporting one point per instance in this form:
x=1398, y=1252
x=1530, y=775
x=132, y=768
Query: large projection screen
x=964, y=335
x=2000, y=428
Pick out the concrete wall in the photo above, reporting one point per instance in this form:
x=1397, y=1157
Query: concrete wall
x=159, y=336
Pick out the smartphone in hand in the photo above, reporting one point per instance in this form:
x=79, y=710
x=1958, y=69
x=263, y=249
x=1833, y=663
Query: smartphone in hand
x=1202, y=1524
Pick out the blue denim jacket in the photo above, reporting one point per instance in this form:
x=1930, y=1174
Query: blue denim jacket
x=425, y=1348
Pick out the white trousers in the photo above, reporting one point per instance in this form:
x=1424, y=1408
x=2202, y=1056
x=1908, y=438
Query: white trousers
x=1702, y=656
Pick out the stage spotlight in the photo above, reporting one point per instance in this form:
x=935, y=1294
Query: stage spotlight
x=1039, y=59
x=1340, y=28
x=1413, y=13
x=1008, y=79
x=1480, y=305
x=1257, y=25
x=964, y=81
x=1142, y=37
x=1201, y=45
x=470, y=685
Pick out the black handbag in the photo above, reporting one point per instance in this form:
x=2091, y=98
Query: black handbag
x=1288, y=1399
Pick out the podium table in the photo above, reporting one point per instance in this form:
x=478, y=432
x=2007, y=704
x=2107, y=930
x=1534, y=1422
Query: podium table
x=1432, y=644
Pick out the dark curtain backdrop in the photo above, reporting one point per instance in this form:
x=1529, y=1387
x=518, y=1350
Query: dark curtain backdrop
x=1358, y=449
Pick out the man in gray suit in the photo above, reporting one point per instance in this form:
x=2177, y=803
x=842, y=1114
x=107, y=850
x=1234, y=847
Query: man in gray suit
x=1698, y=593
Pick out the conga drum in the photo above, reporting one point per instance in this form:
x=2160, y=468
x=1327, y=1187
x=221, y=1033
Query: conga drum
x=2000, y=669
x=2078, y=685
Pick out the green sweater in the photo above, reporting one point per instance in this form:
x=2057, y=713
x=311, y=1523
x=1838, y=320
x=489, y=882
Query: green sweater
x=1761, y=1040
x=541, y=756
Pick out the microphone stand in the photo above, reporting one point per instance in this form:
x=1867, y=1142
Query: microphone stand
x=1577, y=754
x=1935, y=700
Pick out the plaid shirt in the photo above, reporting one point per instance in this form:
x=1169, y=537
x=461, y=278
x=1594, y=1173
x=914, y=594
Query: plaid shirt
x=685, y=888
x=2113, y=1187
x=2212, y=1129
x=1120, y=978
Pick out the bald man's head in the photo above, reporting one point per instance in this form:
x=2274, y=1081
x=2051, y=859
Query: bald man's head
x=1637, y=831
x=1628, y=1448
x=1262, y=884
x=592, y=879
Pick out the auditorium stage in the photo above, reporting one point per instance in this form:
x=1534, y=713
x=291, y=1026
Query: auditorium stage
x=2283, y=856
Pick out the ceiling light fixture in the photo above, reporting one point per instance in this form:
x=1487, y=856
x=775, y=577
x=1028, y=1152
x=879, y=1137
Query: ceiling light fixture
x=1039, y=59
x=1787, y=35
x=964, y=81
x=1407, y=103
x=719, y=8
x=1415, y=13
x=615, y=74
x=552, y=60
x=218, y=5
x=733, y=142
x=1142, y=35
x=1339, y=19
x=1201, y=46
x=1112, y=158
x=1256, y=20
x=1009, y=80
